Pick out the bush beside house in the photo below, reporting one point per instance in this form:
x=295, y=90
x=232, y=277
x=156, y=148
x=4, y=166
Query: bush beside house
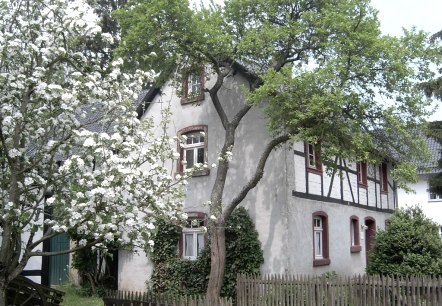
x=175, y=275
x=410, y=245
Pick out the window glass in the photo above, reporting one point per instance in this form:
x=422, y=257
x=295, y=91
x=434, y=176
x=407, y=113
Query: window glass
x=194, y=85
x=311, y=155
x=318, y=237
x=194, y=149
x=193, y=238
x=200, y=243
x=189, y=246
x=434, y=196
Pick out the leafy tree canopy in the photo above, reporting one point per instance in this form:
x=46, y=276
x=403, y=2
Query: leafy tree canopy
x=321, y=68
x=324, y=70
x=433, y=88
x=410, y=245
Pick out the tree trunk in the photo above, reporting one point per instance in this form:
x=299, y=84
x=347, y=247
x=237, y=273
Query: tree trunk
x=217, y=263
x=3, y=287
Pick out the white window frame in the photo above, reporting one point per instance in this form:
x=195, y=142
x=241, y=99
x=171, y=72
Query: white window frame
x=433, y=197
x=312, y=162
x=196, y=247
x=436, y=197
x=194, y=85
x=194, y=229
x=318, y=236
x=192, y=148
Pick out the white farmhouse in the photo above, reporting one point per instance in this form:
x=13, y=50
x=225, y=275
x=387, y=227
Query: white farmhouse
x=309, y=221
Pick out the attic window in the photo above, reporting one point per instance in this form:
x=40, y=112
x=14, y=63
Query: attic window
x=193, y=87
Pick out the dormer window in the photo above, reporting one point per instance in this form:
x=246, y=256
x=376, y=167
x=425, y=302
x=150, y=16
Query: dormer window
x=193, y=87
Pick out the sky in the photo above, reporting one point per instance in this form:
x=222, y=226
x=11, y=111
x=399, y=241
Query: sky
x=425, y=15
x=395, y=14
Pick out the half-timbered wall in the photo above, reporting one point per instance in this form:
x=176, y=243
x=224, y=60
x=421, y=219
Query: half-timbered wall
x=341, y=185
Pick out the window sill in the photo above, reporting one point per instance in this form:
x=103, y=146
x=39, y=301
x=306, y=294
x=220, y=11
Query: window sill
x=434, y=200
x=360, y=185
x=384, y=191
x=314, y=170
x=355, y=249
x=204, y=172
x=201, y=173
x=186, y=100
x=321, y=262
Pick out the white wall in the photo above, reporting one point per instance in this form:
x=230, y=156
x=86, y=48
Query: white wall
x=431, y=208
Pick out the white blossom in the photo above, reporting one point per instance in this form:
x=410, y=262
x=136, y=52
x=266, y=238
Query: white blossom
x=81, y=141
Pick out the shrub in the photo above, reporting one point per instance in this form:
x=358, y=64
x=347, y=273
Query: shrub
x=178, y=276
x=410, y=245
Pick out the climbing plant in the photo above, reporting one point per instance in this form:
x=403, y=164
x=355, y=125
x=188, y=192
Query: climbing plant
x=175, y=275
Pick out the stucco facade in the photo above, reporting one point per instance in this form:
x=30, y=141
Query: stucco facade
x=284, y=202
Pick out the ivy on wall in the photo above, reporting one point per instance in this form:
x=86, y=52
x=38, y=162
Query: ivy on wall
x=175, y=275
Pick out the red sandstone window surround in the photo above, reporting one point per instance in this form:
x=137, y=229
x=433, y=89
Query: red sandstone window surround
x=320, y=239
x=354, y=235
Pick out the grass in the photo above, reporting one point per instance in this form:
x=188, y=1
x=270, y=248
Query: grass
x=73, y=297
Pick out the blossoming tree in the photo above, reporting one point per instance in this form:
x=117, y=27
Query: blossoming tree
x=74, y=158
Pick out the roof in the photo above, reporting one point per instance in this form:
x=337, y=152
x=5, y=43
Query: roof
x=431, y=165
x=144, y=99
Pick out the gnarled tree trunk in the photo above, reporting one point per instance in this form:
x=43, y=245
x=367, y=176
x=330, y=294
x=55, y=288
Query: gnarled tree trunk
x=217, y=263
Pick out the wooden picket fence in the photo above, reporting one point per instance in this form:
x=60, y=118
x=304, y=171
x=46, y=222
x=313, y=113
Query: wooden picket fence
x=338, y=291
x=129, y=298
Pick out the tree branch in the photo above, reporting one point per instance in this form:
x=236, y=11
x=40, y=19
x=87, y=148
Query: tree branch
x=78, y=248
x=259, y=172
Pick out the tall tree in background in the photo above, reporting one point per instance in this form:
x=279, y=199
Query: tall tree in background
x=321, y=67
x=434, y=131
x=433, y=88
x=104, y=9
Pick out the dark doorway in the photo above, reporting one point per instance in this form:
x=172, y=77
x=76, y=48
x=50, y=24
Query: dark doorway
x=370, y=233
